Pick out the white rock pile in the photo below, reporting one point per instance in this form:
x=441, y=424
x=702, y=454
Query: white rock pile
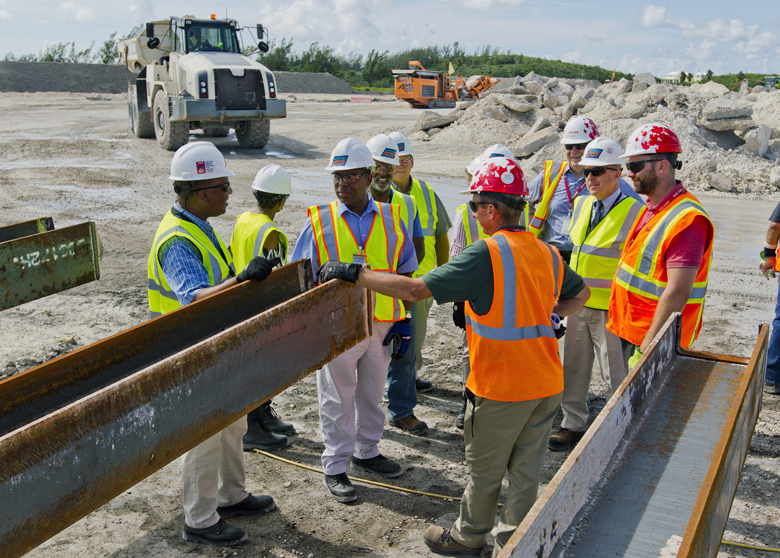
x=731, y=140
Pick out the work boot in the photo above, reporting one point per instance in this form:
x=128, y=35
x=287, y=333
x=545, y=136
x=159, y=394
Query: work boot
x=411, y=424
x=219, y=534
x=487, y=551
x=440, y=541
x=564, y=440
x=461, y=418
x=340, y=488
x=771, y=389
x=423, y=386
x=257, y=437
x=251, y=505
x=271, y=421
x=379, y=465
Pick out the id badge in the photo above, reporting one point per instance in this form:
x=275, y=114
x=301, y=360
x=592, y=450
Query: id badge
x=360, y=258
x=565, y=222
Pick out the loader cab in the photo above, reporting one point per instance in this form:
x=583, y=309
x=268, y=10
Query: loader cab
x=205, y=35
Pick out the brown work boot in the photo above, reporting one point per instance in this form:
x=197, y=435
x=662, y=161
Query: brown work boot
x=411, y=424
x=564, y=440
x=440, y=541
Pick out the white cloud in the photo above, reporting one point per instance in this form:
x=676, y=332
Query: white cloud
x=5, y=15
x=704, y=51
x=579, y=57
x=81, y=13
x=491, y=4
x=655, y=16
x=758, y=45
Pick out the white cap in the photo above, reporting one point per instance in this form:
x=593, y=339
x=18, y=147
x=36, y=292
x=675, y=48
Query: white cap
x=404, y=145
x=198, y=161
x=383, y=148
x=349, y=154
x=498, y=150
x=273, y=179
x=602, y=152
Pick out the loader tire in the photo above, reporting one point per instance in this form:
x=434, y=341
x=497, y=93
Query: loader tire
x=140, y=122
x=217, y=132
x=170, y=135
x=253, y=134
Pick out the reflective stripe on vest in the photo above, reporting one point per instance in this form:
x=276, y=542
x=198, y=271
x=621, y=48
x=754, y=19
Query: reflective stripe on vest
x=553, y=172
x=527, y=275
x=249, y=236
x=162, y=299
x=408, y=209
x=471, y=226
x=424, y=198
x=382, y=250
x=596, y=255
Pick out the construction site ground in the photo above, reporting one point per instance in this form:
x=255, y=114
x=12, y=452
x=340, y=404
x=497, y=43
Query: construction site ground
x=70, y=156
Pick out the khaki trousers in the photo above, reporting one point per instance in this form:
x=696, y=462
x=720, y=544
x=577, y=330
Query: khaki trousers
x=587, y=335
x=421, y=309
x=500, y=437
x=213, y=475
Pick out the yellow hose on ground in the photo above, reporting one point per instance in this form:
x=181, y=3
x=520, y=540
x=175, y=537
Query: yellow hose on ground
x=451, y=498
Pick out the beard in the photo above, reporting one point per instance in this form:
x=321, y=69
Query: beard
x=379, y=187
x=646, y=184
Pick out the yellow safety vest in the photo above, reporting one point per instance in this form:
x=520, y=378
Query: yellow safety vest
x=424, y=198
x=219, y=266
x=553, y=172
x=470, y=225
x=249, y=236
x=336, y=241
x=408, y=208
x=595, y=256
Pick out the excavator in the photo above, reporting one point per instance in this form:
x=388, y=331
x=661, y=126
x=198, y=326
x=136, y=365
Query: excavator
x=422, y=88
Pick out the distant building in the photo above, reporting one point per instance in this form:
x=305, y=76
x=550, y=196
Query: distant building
x=699, y=76
x=676, y=77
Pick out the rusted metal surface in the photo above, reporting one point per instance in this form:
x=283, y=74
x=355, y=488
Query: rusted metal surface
x=665, y=452
x=26, y=228
x=38, y=265
x=65, y=464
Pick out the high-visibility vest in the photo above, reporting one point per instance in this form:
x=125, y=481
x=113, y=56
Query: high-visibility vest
x=641, y=276
x=336, y=241
x=595, y=256
x=513, y=351
x=553, y=172
x=217, y=260
x=424, y=198
x=249, y=236
x=470, y=225
x=408, y=208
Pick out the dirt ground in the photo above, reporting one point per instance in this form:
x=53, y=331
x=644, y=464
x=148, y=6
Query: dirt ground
x=70, y=156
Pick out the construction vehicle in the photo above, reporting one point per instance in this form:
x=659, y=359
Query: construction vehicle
x=772, y=82
x=422, y=88
x=191, y=74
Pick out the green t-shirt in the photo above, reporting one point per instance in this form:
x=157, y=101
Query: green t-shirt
x=469, y=276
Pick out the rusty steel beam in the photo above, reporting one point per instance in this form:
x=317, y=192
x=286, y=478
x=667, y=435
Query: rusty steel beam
x=26, y=228
x=65, y=464
x=38, y=265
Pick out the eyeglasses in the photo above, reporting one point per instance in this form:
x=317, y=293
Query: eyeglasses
x=474, y=205
x=637, y=166
x=225, y=187
x=383, y=167
x=349, y=178
x=404, y=159
x=577, y=146
x=598, y=171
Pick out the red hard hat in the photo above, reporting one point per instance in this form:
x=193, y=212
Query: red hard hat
x=652, y=138
x=499, y=175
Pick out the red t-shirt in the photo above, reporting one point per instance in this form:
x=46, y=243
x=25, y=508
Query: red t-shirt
x=687, y=248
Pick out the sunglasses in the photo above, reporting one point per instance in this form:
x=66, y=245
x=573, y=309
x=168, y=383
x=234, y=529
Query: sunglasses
x=577, y=146
x=225, y=187
x=383, y=167
x=474, y=205
x=598, y=171
x=349, y=178
x=637, y=166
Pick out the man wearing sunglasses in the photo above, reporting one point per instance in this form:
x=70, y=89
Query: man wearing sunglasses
x=188, y=262
x=554, y=190
x=666, y=261
x=599, y=228
x=355, y=229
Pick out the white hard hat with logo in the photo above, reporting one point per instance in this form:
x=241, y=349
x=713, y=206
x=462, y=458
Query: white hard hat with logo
x=273, y=179
x=349, y=154
x=383, y=148
x=579, y=129
x=498, y=150
x=198, y=161
x=602, y=152
x=404, y=145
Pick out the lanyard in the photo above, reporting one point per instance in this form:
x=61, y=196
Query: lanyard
x=568, y=194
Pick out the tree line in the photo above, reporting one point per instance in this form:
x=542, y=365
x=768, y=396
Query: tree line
x=66, y=52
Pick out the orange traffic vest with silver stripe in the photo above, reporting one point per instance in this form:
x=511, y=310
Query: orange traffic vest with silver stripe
x=641, y=276
x=335, y=241
x=513, y=351
x=553, y=172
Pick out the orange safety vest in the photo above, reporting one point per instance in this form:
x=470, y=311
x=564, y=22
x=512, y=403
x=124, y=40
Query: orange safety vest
x=641, y=276
x=552, y=176
x=513, y=351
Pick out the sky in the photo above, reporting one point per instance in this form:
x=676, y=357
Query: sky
x=694, y=36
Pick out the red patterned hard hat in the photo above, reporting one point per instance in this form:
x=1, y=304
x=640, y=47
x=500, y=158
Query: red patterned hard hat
x=499, y=175
x=652, y=138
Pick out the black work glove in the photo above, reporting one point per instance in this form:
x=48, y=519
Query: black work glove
x=558, y=326
x=459, y=314
x=258, y=269
x=400, y=335
x=333, y=269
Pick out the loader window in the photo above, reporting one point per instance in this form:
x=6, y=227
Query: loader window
x=211, y=39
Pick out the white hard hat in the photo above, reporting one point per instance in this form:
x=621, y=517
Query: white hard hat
x=273, y=179
x=198, y=161
x=383, y=148
x=475, y=164
x=579, y=129
x=602, y=152
x=652, y=138
x=404, y=145
x=348, y=154
x=498, y=150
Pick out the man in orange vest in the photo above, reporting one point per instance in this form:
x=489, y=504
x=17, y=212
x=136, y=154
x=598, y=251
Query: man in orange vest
x=667, y=257
x=769, y=267
x=513, y=283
